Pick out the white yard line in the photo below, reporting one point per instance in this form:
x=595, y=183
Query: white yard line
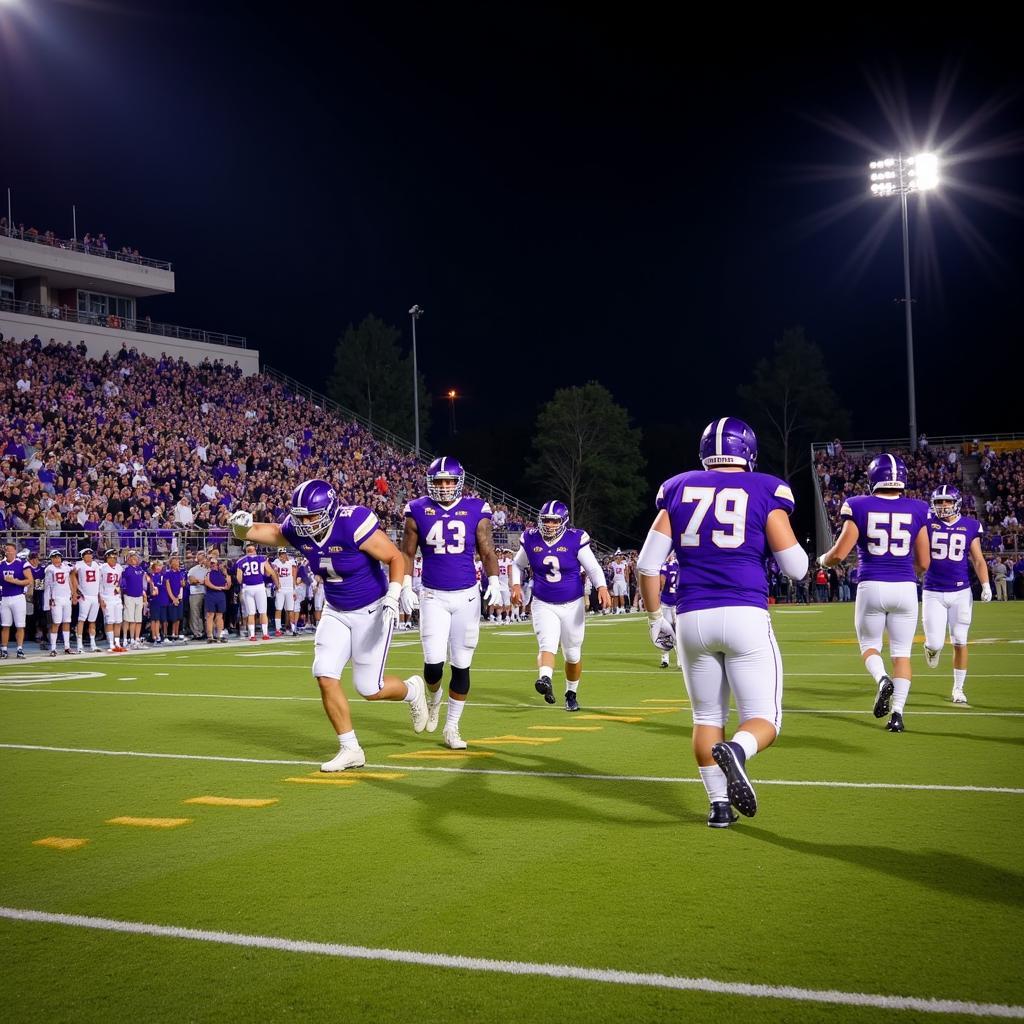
x=562, y=972
x=582, y=776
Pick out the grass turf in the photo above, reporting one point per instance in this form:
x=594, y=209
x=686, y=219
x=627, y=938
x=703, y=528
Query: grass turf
x=912, y=892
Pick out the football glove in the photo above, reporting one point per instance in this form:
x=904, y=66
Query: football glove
x=661, y=632
x=492, y=595
x=408, y=600
x=389, y=606
x=986, y=592
x=240, y=522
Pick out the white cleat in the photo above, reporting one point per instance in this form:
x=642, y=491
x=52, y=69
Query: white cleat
x=434, y=709
x=452, y=739
x=418, y=705
x=931, y=658
x=959, y=697
x=348, y=757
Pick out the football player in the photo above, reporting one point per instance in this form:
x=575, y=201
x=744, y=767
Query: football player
x=890, y=533
x=252, y=571
x=59, y=596
x=87, y=574
x=556, y=552
x=346, y=545
x=620, y=586
x=724, y=522
x=449, y=529
x=947, y=601
x=15, y=576
x=669, y=592
x=110, y=600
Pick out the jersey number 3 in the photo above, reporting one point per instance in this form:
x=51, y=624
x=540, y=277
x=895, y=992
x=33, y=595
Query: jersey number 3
x=730, y=511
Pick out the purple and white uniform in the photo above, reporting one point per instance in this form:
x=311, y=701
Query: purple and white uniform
x=12, y=593
x=558, y=612
x=254, y=578
x=669, y=592
x=449, y=596
x=887, y=582
x=947, y=601
x=351, y=627
x=724, y=634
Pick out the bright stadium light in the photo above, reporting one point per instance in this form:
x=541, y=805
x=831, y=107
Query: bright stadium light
x=903, y=176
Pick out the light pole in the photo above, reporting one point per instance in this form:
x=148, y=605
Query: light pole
x=451, y=410
x=900, y=175
x=416, y=312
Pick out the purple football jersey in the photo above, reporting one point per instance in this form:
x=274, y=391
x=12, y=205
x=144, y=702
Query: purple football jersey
x=669, y=583
x=555, y=566
x=448, y=540
x=950, y=544
x=252, y=570
x=718, y=532
x=352, y=578
x=887, y=529
x=133, y=580
x=9, y=572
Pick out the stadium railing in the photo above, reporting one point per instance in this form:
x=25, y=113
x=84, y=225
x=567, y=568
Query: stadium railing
x=148, y=543
x=144, y=326
x=73, y=245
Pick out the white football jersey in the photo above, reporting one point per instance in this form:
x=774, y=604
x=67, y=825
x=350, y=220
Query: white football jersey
x=110, y=580
x=57, y=582
x=619, y=569
x=504, y=565
x=88, y=578
x=283, y=568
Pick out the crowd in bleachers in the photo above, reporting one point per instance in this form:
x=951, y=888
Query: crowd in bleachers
x=1001, y=484
x=110, y=449
x=96, y=245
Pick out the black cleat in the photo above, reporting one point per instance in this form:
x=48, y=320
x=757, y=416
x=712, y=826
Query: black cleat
x=3, y=654
x=21, y=653
x=53, y=653
x=543, y=687
x=730, y=758
x=895, y=723
x=720, y=815
x=571, y=703
x=883, y=702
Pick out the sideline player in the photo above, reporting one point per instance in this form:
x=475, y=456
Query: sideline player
x=15, y=576
x=87, y=573
x=58, y=597
x=669, y=594
x=252, y=571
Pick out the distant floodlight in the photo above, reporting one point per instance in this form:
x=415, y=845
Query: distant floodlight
x=902, y=175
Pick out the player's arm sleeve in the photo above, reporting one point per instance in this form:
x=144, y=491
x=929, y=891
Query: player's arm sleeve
x=364, y=522
x=793, y=561
x=486, y=511
x=846, y=512
x=519, y=563
x=654, y=553
x=782, y=497
x=592, y=567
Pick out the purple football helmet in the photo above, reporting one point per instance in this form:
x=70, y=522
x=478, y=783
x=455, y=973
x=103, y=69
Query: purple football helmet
x=948, y=496
x=887, y=472
x=552, y=519
x=728, y=442
x=445, y=471
x=314, y=498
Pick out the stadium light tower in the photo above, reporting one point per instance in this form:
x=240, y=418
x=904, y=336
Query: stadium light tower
x=903, y=176
x=416, y=312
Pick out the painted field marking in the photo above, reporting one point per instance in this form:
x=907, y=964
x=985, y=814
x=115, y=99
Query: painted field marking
x=150, y=822
x=609, y=718
x=161, y=673
x=566, y=728
x=60, y=843
x=323, y=780
x=521, y=773
x=521, y=968
x=665, y=700
x=447, y=755
x=271, y=654
x=529, y=741
x=127, y=679
x=32, y=678
x=230, y=801
x=383, y=776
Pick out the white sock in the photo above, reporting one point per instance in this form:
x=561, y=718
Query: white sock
x=347, y=740
x=714, y=782
x=901, y=687
x=748, y=741
x=410, y=692
x=67, y=638
x=546, y=672
x=266, y=629
x=876, y=667
x=53, y=641
x=110, y=638
x=959, y=678
x=455, y=709
x=570, y=686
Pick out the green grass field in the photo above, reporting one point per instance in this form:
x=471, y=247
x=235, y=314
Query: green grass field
x=878, y=864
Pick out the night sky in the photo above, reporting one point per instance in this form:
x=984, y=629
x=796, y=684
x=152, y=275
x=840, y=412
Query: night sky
x=636, y=201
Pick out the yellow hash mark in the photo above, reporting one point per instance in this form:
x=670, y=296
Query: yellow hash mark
x=608, y=718
x=660, y=711
x=150, y=822
x=530, y=741
x=230, y=801
x=567, y=728
x=386, y=776
x=664, y=700
x=323, y=780
x=60, y=843
x=445, y=755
